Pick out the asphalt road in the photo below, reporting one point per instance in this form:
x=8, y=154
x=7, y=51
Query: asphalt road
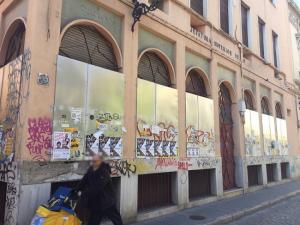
x=284, y=213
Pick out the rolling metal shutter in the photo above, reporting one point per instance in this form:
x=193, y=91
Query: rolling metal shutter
x=86, y=44
x=195, y=84
x=153, y=69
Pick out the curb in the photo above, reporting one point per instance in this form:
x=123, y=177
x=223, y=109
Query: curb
x=246, y=212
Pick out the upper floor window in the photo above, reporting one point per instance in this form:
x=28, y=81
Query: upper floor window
x=197, y=5
x=261, y=31
x=245, y=15
x=224, y=15
x=275, y=49
x=160, y=4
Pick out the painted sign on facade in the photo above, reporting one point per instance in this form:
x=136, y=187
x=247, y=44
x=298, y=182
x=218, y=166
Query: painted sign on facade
x=269, y=137
x=89, y=109
x=282, y=136
x=252, y=133
x=157, y=120
x=199, y=126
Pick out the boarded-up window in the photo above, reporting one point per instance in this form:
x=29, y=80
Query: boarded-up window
x=261, y=30
x=275, y=48
x=245, y=12
x=86, y=44
x=153, y=69
x=224, y=15
x=197, y=5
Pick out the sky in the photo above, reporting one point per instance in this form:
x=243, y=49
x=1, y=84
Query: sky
x=298, y=2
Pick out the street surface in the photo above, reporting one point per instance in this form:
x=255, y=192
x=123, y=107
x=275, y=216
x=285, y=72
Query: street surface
x=284, y=213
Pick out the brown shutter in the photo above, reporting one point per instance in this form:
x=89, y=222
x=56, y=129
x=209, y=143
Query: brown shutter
x=197, y=5
x=244, y=11
x=248, y=100
x=153, y=69
x=265, y=106
x=86, y=44
x=224, y=15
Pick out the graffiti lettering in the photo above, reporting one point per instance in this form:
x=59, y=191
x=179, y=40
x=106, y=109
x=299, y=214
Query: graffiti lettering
x=104, y=117
x=123, y=167
x=39, y=142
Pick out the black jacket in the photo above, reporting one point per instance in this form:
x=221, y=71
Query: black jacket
x=97, y=188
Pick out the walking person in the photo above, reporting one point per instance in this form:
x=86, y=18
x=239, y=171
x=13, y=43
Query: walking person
x=97, y=186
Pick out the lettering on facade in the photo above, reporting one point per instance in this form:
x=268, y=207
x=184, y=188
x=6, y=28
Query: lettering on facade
x=218, y=46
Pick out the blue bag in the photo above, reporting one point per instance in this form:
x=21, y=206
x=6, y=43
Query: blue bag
x=60, y=201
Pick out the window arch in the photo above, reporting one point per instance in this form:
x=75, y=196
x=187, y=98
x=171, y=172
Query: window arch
x=265, y=106
x=248, y=100
x=15, y=45
x=195, y=84
x=85, y=43
x=152, y=68
x=278, y=110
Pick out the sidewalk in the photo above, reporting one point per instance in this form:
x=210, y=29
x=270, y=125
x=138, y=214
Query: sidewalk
x=224, y=211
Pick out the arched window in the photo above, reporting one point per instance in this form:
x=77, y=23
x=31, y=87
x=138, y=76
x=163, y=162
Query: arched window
x=152, y=68
x=86, y=44
x=195, y=84
x=265, y=106
x=278, y=110
x=248, y=100
x=15, y=45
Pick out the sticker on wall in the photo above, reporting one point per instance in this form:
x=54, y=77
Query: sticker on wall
x=61, y=145
x=75, y=142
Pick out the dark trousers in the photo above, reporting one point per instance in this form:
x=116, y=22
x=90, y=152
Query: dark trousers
x=111, y=213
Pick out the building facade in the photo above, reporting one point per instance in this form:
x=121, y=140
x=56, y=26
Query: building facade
x=193, y=103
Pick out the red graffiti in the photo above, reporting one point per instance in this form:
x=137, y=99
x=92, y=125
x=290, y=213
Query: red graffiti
x=166, y=133
x=171, y=162
x=166, y=162
x=39, y=142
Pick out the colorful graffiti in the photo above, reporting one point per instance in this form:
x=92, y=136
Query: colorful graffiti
x=39, y=142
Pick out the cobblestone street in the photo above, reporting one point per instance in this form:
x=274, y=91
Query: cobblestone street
x=285, y=213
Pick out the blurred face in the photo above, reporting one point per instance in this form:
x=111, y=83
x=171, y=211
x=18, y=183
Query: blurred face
x=96, y=161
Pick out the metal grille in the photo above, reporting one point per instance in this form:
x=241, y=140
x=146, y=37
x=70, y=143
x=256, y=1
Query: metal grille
x=154, y=190
x=195, y=84
x=226, y=138
x=197, y=5
x=86, y=44
x=248, y=100
x=153, y=69
x=284, y=170
x=253, y=175
x=15, y=46
x=265, y=106
x=199, y=184
x=278, y=110
x=270, y=172
x=3, y=187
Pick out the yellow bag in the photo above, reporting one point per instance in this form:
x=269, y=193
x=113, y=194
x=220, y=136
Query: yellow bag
x=46, y=217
